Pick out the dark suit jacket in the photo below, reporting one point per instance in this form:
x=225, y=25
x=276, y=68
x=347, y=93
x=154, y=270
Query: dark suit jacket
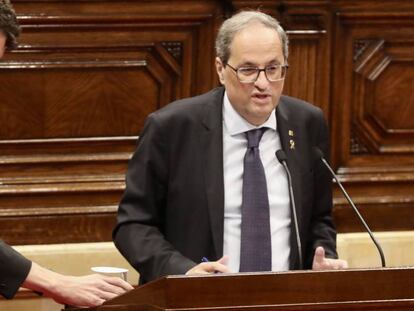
x=14, y=269
x=172, y=212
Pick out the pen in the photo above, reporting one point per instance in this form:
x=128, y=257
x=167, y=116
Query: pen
x=205, y=259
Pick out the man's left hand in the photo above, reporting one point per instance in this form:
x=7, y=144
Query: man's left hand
x=320, y=262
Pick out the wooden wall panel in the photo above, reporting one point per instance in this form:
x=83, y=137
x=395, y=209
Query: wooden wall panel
x=76, y=100
x=372, y=119
x=304, y=57
x=75, y=95
x=86, y=74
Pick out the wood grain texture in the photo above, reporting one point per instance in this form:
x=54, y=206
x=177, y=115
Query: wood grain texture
x=75, y=95
x=372, y=126
x=388, y=289
x=76, y=92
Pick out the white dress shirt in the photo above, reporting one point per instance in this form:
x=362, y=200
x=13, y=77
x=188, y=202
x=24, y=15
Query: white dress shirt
x=234, y=149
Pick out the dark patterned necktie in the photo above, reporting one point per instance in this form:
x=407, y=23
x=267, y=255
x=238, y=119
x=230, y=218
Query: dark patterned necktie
x=255, y=248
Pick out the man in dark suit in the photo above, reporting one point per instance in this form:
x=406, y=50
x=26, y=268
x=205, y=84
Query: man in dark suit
x=15, y=269
x=185, y=186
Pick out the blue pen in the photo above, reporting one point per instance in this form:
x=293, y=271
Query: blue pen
x=205, y=259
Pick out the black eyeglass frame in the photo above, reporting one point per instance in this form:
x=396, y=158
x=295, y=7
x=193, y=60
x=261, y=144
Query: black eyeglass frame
x=236, y=70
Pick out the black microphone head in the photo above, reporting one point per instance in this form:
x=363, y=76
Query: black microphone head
x=317, y=153
x=281, y=155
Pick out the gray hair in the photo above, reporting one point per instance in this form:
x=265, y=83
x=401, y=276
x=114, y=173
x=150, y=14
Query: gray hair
x=240, y=21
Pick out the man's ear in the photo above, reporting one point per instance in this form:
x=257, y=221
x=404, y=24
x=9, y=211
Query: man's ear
x=220, y=69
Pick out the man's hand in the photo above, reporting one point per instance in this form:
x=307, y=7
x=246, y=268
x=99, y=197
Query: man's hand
x=210, y=267
x=320, y=262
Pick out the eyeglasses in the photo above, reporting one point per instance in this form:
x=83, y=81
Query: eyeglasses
x=273, y=73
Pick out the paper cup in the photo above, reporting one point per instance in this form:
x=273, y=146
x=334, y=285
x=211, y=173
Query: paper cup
x=112, y=271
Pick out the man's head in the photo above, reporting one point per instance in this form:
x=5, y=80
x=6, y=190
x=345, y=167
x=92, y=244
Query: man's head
x=246, y=42
x=9, y=27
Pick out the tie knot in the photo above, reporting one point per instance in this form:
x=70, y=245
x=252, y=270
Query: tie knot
x=254, y=137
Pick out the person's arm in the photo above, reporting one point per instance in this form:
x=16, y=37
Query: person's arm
x=80, y=291
x=83, y=291
x=14, y=269
x=139, y=233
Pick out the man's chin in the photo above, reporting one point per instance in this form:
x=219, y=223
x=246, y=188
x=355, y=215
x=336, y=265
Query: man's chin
x=263, y=109
x=259, y=117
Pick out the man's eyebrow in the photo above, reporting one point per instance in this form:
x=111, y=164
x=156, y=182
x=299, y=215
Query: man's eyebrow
x=248, y=64
x=274, y=62
x=270, y=63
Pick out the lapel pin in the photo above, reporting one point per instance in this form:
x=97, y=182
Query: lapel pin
x=292, y=144
x=291, y=133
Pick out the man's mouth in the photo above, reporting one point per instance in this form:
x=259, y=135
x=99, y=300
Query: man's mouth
x=260, y=97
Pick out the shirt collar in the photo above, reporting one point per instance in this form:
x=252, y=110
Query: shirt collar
x=236, y=124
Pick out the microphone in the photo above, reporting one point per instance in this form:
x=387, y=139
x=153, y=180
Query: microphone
x=319, y=155
x=281, y=156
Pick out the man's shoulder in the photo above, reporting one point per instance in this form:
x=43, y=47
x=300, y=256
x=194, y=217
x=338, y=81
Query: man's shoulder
x=294, y=103
x=186, y=115
x=191, y=106
x=300, y=108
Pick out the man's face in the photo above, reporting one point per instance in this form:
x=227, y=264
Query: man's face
x=2, y=43
x=254, y=46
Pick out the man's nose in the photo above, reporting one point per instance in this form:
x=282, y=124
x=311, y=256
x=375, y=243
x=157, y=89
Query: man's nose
x=261, y=81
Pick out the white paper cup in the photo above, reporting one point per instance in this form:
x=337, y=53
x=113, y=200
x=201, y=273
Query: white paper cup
x=112, y=271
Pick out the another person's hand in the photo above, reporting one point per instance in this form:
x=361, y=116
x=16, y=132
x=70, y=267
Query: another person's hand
x=320, y=262
x=80, y=291
x=89, y=290
x=210, y=267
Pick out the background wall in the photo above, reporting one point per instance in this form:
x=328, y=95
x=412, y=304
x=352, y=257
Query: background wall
x=75, y=94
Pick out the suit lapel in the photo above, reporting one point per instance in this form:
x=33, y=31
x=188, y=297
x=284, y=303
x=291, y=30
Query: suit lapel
x=288, y=136
x=212, y=144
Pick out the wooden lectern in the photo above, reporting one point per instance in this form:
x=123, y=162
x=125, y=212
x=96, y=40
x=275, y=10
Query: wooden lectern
x=356, y=289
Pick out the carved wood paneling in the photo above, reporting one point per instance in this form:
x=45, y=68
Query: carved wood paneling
x=80, y=98
x=75, y=95
x=305, y=49
x=383, y=85
x=71, y=227
x=86, y=74
x=372, y=127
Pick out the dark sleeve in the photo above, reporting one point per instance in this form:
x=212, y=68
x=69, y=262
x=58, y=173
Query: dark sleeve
x=141, y=215
x=322, y=230
x=14, y=269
